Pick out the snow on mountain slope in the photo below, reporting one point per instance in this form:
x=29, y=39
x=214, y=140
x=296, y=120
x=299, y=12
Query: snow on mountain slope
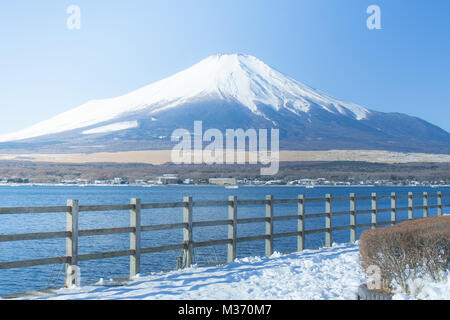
x=239, y=78
x=118, y=126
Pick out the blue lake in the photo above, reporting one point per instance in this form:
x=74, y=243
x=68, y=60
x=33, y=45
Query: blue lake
x=26, y=279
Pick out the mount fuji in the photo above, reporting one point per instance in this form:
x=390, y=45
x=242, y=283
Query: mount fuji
x=227, y=92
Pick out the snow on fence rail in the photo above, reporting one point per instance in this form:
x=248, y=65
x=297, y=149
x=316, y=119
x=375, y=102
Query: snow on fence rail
x=135, y=251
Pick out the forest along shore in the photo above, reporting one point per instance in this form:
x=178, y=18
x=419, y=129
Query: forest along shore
x=48, y=172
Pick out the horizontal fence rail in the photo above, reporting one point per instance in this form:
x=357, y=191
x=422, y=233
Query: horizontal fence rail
x=135, y=207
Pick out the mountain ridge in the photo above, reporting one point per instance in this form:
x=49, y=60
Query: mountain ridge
x=228, y=91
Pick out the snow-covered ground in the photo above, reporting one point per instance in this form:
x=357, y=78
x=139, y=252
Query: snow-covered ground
x=328, y=273
x=427, y=290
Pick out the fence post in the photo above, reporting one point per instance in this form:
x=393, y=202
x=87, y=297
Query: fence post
x=232, y=215
x=439, y=203
x=410, y=206
x=352, y=217
x=328, y=238
x=425, y=204
x=269, y=225
x=135, y=237
x=393, y=208
x=301, y=223
x=374, y=210
x=187, y=231
x=72, y=243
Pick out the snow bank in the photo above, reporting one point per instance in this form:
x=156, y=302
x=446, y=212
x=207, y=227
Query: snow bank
x=426, y=289
x=326, y=274
x=329, y=273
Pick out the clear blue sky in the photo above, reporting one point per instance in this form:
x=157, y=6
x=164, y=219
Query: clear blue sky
x=46, y=68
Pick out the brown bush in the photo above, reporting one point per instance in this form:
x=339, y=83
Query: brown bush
x=408, y=250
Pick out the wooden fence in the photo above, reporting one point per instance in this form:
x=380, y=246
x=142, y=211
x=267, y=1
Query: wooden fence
x=72, y=233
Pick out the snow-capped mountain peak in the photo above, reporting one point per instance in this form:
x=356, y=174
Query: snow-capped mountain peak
x=240, y=78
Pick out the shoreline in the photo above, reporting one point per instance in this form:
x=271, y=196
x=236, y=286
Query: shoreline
x=216, y=186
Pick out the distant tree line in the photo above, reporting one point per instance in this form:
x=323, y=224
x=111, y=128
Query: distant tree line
x=23, y=171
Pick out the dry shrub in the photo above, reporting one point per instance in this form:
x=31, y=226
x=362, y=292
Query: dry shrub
x=406, y=251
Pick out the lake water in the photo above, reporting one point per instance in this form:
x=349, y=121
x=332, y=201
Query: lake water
x=26, y=279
